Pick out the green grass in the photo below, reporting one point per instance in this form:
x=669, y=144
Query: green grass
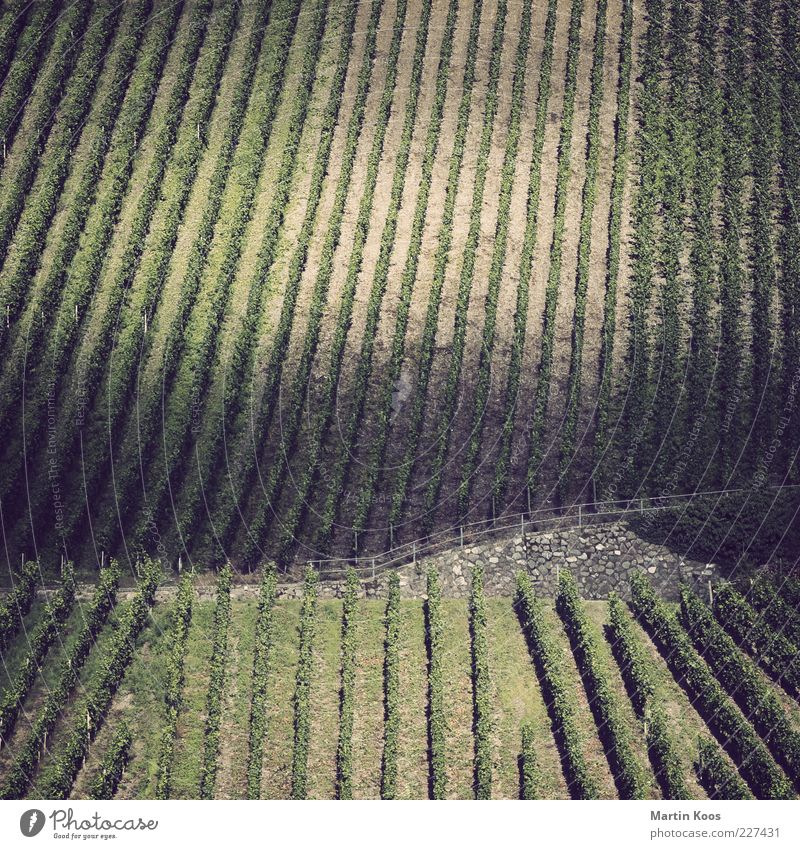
x=191, y=722
x=515, y=697
x=235, y=725
x=277, y=775
x=518, y=699
x=325, y=686
x=412, y=754
x=368, y=716
x=140, y=703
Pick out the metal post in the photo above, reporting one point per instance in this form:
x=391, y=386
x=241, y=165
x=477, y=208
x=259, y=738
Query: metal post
x=710, y=595
x=528, y=491
x=580, y=517
x=373, y=568
x=391, y=535
x=522, y=524
x=414, y=551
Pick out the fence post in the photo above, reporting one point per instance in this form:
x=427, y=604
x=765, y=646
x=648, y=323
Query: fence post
x=710, y=595
x=580, y=517
x=522, y=524
x=461, y=535
x=528, y=491
x=414, y=551
x=391, y=535
x=373, y=568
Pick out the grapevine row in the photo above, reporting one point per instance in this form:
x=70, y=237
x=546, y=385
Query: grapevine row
x=723, y=718
x=735, y=131
x=65, y=50
x=646, y=200
x=216, y=682
x=302, y=690
x=678, y=154
x=481, y=687
x=47, y=631
x=155, y=264
x=414, y=429
x=560, y=703
x=74, y=287
x=636, y=671
x=391, y=690
x=444, y=240
x=781, y=613
x=96, y=615
x=40, y=210
x=741, y=679
x=102, y=185
x=588, y=199
x=718, y=777
x=377, y=291
x=291, y=427
x=530, y=236
x=531, y=777
x=106, y=783
x=202, y=333
x=338, y=475
x=497, y=265
x=182, y=616
x=702, y=260
x=244, y=345
x=242, y=480
x=34, y=215
x=262, y=659
x=437, y=721
x=563, y=171
x=627, y=772
x=444, y=426
x=16, y=604
x=32, y=46
x=57, y=780
x=177, y=185
x=619, y=173
x=347, y=696
x=777, y=655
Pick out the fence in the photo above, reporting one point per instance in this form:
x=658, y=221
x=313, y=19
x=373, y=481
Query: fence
x=572, y=516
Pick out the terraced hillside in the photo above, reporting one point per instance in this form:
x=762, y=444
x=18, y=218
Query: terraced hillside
x=241, y=691
x=290, y=279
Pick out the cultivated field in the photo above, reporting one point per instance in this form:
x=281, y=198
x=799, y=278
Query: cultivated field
x=293, y=279
x=232, y=693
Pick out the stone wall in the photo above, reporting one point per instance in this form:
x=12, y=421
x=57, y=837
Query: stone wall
x=602, y=558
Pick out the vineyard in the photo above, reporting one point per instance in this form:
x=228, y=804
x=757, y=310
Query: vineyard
x=208, y=689
x=285, y=281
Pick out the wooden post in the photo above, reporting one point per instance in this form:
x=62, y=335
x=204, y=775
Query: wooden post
x=710, y=595
x=580, y=517
x=391, y=535
x=414, y=551
x=528, y=491
x=461, y=534
x=373, y=568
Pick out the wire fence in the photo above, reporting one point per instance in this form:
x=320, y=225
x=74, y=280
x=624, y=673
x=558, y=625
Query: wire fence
x=574, y=516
